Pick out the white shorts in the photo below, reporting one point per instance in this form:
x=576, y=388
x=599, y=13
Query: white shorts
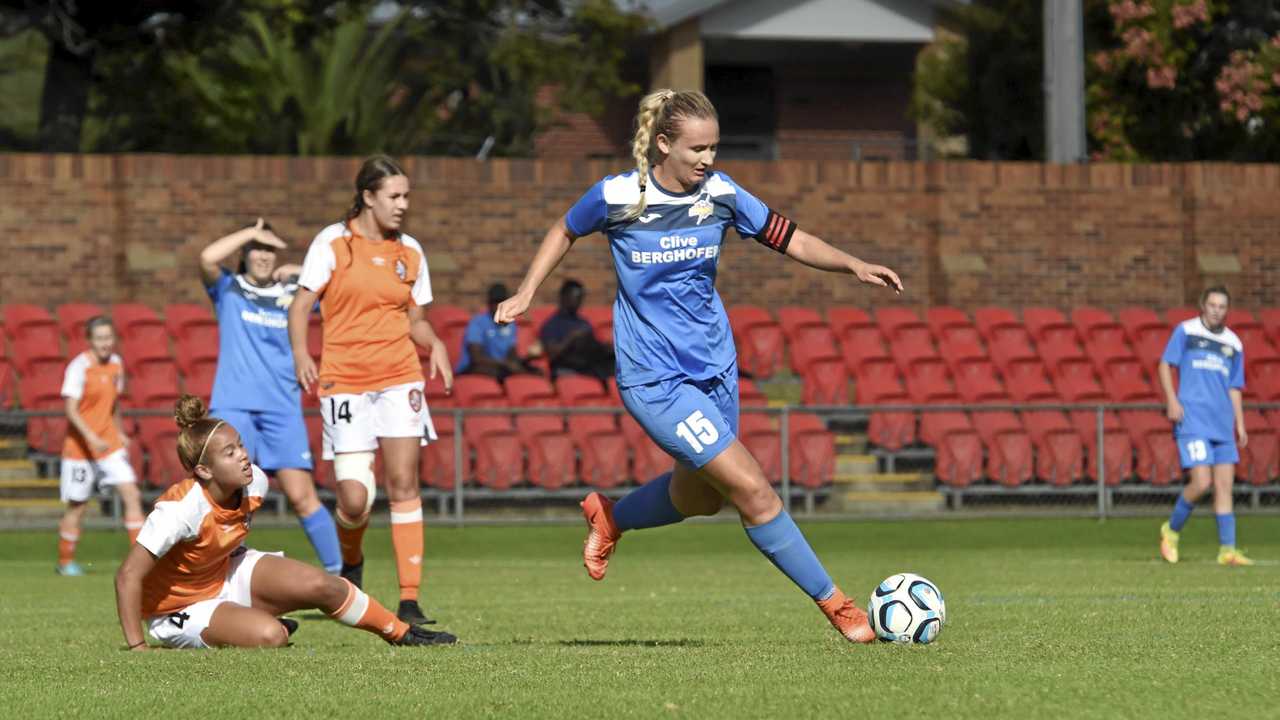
x=79, y=477
x=184, y=628
x=353, y=422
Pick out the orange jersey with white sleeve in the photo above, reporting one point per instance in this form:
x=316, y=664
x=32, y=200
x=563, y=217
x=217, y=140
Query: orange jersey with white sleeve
x=193, y=539
x=96, y=385
x=366, y=288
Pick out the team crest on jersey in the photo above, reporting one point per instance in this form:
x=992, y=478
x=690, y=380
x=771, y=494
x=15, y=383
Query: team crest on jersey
x=1228, y=351
x=402, y=271
x=284, y=301
x=415, y=399
x=701, y=209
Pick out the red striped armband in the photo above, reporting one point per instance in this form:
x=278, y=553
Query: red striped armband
x=777, y=232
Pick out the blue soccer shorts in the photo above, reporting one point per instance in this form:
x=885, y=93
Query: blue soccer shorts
x=274, y=440
x=1194, y=451
x=692, y=420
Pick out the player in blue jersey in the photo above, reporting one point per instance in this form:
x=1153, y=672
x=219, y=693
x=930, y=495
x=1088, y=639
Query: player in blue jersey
x=676, y=363
x=255, y=389
x=1208, y=419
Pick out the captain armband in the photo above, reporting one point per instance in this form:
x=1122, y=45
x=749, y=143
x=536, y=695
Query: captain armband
x=776, y=233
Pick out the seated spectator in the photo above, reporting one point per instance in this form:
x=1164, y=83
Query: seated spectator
x=489, y=348
x=568, y=341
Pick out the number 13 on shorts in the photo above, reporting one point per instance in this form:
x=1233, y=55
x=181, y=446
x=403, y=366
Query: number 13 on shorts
x=698, y=431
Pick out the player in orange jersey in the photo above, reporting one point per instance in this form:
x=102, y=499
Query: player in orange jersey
x=96, y=449
x=193, y=581
x=372, y=283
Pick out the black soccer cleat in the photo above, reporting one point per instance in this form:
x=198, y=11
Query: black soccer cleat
x=354, y=574
x=410, y=612
x=422, y=636
x=290, y=625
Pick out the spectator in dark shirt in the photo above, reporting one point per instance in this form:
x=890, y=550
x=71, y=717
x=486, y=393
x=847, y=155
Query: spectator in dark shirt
x=568, y=340
x=489, y=348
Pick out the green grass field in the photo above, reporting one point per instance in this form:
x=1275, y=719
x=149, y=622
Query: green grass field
x=1046, y=618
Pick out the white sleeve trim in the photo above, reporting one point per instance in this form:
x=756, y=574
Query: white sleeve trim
x=73, y=380
x=422, y=286
x=318, y=266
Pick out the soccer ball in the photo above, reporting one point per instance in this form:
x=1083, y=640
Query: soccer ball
x=907, y=608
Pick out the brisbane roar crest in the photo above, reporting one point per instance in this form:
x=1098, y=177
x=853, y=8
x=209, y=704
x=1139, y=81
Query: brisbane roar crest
x=415, y=400
x=701, y=209
x=402, y=271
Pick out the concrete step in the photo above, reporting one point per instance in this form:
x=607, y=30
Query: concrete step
x=28, y=487
x=883, y=481
x=15, y=469
x=855, y=464
x=12, y=448
x=851, y=443
x=886, y=501
x=30, y=504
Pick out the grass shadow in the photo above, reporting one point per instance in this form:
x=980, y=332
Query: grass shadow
x=633, y=643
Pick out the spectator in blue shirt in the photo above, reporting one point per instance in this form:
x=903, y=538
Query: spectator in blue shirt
x=489, y=348
x=569, y=340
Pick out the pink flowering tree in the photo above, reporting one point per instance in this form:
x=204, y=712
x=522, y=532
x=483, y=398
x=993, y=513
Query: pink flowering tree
x=1183, y=80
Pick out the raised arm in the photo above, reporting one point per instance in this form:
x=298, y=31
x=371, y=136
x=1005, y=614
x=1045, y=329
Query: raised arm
x=555, y=245
x=813, y=251
x=129, y=577
x=215, y=252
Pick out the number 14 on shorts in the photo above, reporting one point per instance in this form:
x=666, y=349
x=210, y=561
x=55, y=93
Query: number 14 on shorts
x=698, y=431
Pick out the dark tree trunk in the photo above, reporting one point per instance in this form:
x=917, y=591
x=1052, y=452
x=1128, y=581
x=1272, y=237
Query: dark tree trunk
x=65, y=99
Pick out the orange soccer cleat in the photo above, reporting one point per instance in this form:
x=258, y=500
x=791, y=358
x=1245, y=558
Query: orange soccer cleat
x=603, y=535
x=848, y=618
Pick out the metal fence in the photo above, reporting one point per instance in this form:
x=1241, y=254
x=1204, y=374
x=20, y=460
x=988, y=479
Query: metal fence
x=1101, y=494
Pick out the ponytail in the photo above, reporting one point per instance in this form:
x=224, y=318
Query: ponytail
x=659, y=114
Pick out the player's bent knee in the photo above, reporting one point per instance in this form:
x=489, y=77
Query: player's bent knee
x=274, y=635
x=358, y=466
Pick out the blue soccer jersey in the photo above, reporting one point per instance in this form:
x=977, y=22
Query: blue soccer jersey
x=668, y=320
x=255, y=361
x=1209, y=365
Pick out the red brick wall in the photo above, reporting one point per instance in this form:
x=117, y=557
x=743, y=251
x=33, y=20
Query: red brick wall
x=129, y=227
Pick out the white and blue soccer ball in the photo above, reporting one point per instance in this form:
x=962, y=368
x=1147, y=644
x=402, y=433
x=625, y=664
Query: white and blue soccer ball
x=906, y=609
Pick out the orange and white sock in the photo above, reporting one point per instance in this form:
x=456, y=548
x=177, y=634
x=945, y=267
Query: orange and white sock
x=133, y=526
x=406, y=539
x=361, y=611
x=351, y=536
x=67, y=546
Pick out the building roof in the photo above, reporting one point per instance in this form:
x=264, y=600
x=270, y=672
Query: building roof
x=843, y=20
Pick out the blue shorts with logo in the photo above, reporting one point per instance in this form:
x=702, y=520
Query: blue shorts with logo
x=274, y=440
x=692, y=420
x=1194, y=451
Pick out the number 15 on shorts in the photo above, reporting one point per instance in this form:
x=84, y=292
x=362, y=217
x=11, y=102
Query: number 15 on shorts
x=698, y=431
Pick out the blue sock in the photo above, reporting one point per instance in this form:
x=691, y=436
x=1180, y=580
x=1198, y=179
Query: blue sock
x=323, y=535
x=1227, y=529
x=1181, y=513
x=781, y=541
x=647, y=506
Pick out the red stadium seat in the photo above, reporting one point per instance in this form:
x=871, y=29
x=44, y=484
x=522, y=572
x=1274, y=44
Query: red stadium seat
x=597, y=315
x=1096, y=325
x=538, y=315
x=1270, y=320
x=959, y=458
x=1103, y=354
x=43, y=392
x=190, y=353
x=812, y=451
x=911, y=351
x=930, y=382
x=1239, y=319
x=604, y=458
x=499, y=458
x=552, y=460
x=581, y=391
x=1047, y=324
x=72, y=318
x=1028, y=382
x=198, y=380
x=1063, y=356
x=315, y=338
x=1117, y=458
x=813, y=344
x=648, y=460
x=749, y=395
x=1009, y=456
x=477, y=391
x=1149, y=350
x=22, y=320
x=531, y=391
x=880, y=383
x=443, y=317
x=826, y=383
x=188, y=320
x=793, y=319
x=155, y=373
x=1256, y=346
x=1264, y=379
x=1260, y=459
x=992, y=321
x=1173, y=316
x=759, y=339
x=941, y=318
x=35, y=355
x=1140, y=322
x=895, y=320
x=961, y=347
x=861, y=345
x=842, y=319
x=766, y=447
x=1013, y=348
x=8, y=382
x=321, y=469
x=160, y=438
x=979, y=382
x=1080, y=388
x=1059, y=451
x=1124, y=386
